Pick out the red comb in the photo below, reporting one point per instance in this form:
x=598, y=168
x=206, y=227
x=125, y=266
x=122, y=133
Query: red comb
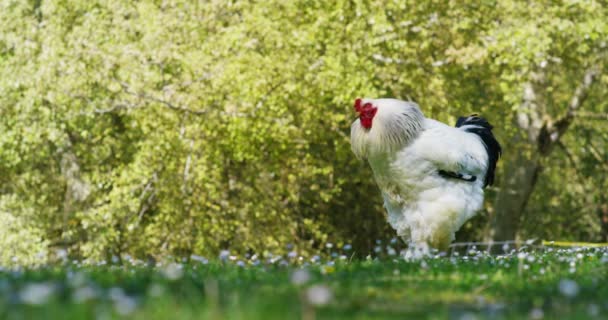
x=358, y=104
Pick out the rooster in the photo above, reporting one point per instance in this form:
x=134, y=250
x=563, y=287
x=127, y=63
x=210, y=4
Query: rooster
x=431, y=175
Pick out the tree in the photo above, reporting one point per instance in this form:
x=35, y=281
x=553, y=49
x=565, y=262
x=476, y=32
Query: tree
x=547, y=58
x=173, y=128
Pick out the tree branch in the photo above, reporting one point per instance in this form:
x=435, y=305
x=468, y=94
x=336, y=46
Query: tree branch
x=149, y=188
x=550, y=133
x=591, y=115
x=265, y=97
x=568, y=155
x=596, y=154
x=580, y=95
x=167, y=104
x=116, y=107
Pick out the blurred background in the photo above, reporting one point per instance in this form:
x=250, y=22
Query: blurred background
x=157, y=128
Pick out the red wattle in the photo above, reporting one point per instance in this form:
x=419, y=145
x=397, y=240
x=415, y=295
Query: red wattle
x=366, y=122
x=366, y=115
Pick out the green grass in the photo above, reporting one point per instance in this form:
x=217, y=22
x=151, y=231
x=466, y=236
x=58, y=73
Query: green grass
x=561, y=283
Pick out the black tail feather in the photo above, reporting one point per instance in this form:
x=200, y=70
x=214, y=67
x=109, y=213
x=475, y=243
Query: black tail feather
x=483, y=129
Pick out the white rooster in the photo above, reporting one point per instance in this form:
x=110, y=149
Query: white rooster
x=431, y=175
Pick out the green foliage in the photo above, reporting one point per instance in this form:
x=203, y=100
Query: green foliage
x=178, y=127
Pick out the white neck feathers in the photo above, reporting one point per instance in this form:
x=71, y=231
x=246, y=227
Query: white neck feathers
x=395, y=125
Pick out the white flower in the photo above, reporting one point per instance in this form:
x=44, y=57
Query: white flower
x=593, y=310
x=568, y=288
x=224, y=254
x=76, y=279
x=173, y=271
x=200, y=259
x=300, y=277
x=115, y=293
x=62, y=254
x=84, y=294
x=537, y=313
x=318, y=295
x=424, y=265
x=36, y=293
x=468, y=316
x=125, y=306
x=156, y=290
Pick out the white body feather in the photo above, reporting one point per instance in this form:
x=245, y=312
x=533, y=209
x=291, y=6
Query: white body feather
x=425, y=208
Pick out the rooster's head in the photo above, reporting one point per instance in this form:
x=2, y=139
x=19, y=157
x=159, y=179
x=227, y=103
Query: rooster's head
x=366, y=113
x=384, y=125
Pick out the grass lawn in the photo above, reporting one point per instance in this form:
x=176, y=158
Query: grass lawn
x=547, y=283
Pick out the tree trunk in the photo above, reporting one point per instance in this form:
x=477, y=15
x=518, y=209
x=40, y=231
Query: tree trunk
x=519, y=179
x=538, y=135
